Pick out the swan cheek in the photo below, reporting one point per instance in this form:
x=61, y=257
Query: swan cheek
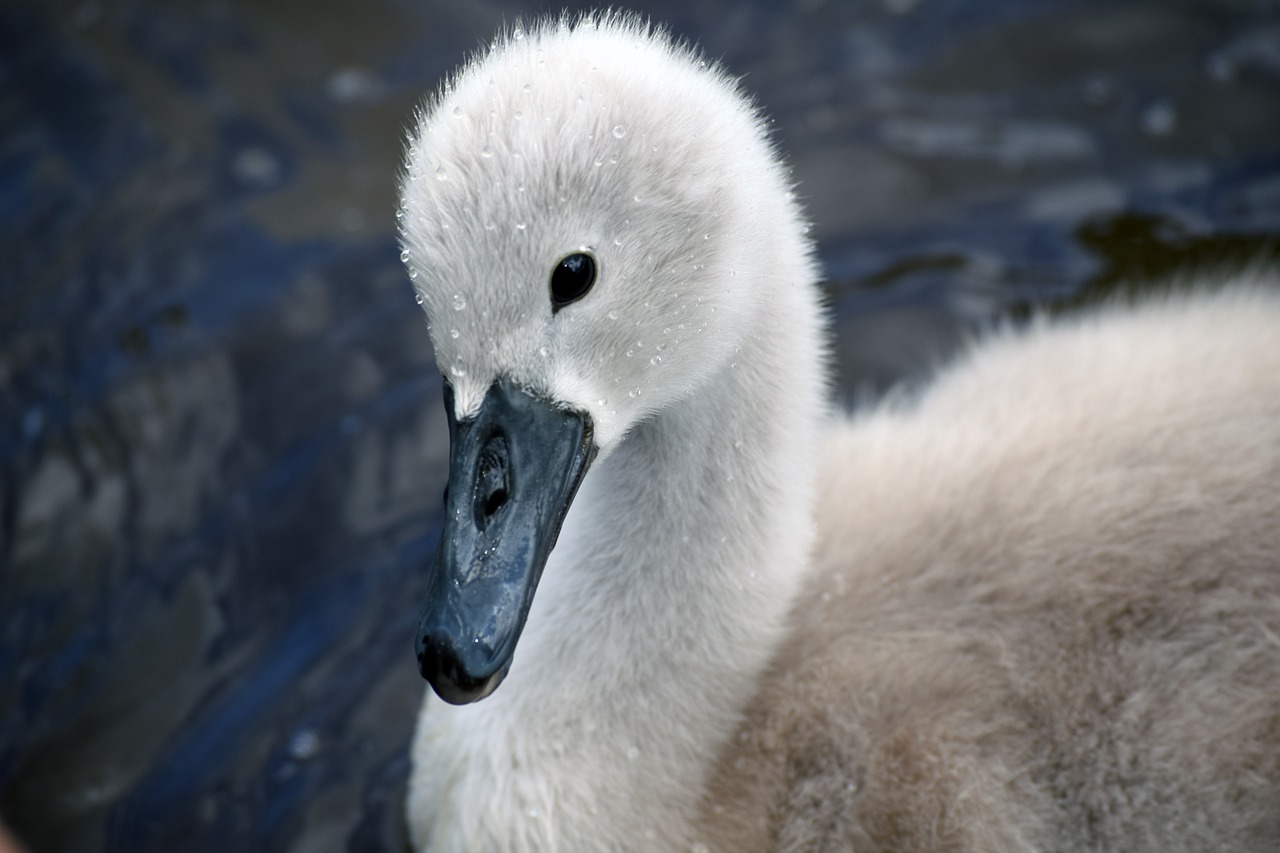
x=514, y=468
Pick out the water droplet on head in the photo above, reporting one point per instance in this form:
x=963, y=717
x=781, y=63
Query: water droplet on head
x=526, y=88
x=486, y=151
x=459, y=302
x=457, y=111
x=413, y=274
x=517, y=34
x=657, y=359
x=520, y=226
x=613, y=315
x=598, y=162
x=440, y=174
x=633, y=393
x=619, y=131
x=404, y=255
x=420, y=299
x=453, y=333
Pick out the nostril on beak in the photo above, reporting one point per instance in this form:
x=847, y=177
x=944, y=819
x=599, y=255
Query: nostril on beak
x=491, y=481
x=495, y=501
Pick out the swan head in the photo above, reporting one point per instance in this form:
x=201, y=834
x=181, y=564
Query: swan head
x=577, y=205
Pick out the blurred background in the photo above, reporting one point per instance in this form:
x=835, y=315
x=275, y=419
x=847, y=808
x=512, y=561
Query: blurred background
x=221, y=444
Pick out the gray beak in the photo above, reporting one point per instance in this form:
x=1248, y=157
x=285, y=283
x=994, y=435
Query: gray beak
x=514, y=469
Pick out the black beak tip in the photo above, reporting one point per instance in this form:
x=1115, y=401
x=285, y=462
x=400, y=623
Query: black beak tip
x=454, y=679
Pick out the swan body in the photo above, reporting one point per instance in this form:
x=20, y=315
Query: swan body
x=1044, y=609
x=1037, y=608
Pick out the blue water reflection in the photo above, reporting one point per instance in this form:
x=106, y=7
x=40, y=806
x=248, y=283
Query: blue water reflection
x=221, y=450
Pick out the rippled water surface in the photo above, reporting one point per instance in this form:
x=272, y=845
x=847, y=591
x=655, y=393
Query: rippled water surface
x=221, y=449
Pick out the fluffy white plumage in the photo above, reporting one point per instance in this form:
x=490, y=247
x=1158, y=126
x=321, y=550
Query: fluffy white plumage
x=665, y=694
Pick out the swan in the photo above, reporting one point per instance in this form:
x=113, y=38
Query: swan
x=1035, y=607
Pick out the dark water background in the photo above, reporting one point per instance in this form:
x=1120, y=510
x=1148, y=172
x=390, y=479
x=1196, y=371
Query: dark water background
x=221, y=450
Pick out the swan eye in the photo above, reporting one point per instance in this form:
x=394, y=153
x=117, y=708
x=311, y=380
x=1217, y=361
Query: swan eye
x=571, y=279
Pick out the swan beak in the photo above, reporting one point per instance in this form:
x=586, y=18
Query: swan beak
x=513, y=471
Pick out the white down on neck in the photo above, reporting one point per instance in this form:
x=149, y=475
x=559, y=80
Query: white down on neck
x=699, y=356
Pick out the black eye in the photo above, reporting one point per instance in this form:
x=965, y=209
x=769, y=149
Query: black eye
x=571, y=279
